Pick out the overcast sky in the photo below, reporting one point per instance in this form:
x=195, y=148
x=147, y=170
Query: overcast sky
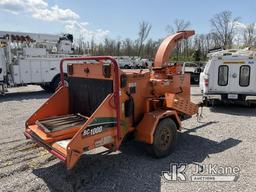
x=115, y=18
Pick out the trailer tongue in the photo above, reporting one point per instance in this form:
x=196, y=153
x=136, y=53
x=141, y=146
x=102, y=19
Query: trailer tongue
x=101, y=104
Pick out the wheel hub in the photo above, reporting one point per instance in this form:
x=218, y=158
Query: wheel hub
x=165, y=138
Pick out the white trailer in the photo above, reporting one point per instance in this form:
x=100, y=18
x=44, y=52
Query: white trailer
x=229, y=76
x=33, y=64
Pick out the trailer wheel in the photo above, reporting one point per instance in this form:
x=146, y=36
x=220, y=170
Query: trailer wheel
x=165, y=138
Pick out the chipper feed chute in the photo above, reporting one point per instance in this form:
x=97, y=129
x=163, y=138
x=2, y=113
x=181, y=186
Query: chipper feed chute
x=81, y=116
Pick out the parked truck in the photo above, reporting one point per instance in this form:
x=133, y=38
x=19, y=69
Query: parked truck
x=30, y=58
x=229, y=76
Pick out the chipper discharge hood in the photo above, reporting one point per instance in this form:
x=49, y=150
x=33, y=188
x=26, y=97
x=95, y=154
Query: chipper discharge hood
x=101, y=104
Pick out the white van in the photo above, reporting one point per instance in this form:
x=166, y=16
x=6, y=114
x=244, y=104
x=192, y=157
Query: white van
x=229, y=76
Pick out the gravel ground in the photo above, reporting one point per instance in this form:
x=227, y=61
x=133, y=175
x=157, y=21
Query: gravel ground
x=225, y=136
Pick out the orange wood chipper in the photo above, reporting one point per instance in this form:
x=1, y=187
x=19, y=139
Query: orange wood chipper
x=101, y=104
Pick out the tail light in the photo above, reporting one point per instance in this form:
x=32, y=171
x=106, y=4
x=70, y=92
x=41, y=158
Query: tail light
x=206, y=82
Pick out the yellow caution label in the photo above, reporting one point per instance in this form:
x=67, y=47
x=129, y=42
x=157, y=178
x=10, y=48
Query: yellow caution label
x=233, y=62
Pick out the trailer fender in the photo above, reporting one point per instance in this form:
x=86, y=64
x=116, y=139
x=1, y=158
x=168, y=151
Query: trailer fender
x=146, y=128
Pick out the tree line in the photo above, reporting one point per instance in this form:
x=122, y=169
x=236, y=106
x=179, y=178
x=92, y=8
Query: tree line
x=223, y=34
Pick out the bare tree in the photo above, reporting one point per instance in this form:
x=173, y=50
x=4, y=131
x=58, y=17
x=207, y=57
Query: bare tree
x=222, y=34
x=118, y=47
x=179, y=25
x=127, y=47
x=109, y=46
x=92, y=46
x=144, y=30
x=150, y=49
x=223, y=28
x=209, y=41
x=249, y=35
x=100, y=49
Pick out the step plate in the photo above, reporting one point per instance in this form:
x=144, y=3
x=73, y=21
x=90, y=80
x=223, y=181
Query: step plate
x=61, y=122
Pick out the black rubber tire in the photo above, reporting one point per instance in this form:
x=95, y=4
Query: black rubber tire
x=56, y=82
x=196, y=80
x=206, y=102
x=127, y=67
x=46, y=87
x=165, y=138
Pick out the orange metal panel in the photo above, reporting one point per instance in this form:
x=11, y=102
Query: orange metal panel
x=180, y=104
x=146, y=128
x=88, y=70
x=49, y=138
x=177, y=84
x=79, y=142
x=56, y=105
x=60, y=149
